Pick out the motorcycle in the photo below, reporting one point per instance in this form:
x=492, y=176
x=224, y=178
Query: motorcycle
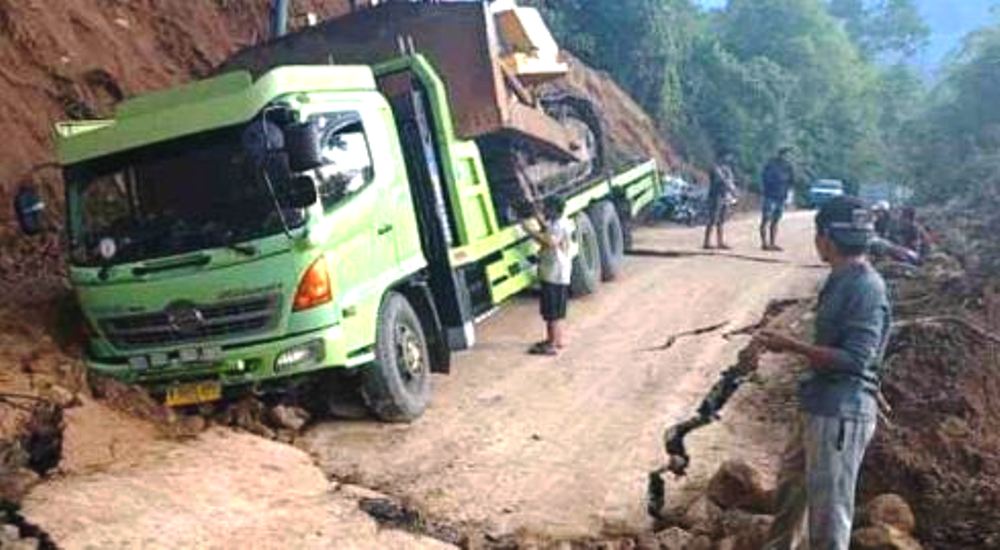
x=681, y=203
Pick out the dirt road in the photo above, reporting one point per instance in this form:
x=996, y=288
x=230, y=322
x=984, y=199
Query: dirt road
x=513, y=443
x=561, y=446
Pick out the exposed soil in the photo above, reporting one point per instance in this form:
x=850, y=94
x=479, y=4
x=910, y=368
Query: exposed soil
x=942, y=451
x=631, y=132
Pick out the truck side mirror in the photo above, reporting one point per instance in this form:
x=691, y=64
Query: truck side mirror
x=30, y=210
x=301, y=192
x=302, y=144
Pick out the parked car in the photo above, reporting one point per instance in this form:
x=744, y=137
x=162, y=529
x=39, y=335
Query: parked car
x=821, y=191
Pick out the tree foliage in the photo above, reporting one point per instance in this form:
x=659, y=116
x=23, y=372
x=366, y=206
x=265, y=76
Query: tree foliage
x=883, y=27
x=828, y=77
x=751, y=77
x=954, y=145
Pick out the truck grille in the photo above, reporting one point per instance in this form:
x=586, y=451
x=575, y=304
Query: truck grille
x=184, y=322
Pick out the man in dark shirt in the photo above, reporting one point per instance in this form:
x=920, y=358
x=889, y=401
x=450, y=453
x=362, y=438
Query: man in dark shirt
x=720, y=191
x=778, y=179
x=838, y=394
x=911, y=234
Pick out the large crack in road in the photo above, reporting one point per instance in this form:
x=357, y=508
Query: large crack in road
x=514, y=447
x=560, y=447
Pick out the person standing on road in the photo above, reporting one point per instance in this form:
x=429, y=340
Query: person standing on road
x=555, y=266
x=721, y=190
x=838, y=394
x=778, y=179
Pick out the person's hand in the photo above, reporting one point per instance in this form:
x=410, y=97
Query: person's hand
x=774, y=341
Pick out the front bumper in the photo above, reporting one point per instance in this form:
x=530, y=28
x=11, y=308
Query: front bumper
x=249, y=364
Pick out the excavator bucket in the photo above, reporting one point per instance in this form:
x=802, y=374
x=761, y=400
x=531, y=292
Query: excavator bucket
x=532, y=54
x=490, y=58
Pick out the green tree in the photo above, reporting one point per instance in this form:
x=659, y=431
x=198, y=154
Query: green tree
x=642, y=43
x=883, y=27
x=954, y=146
x=831, y=113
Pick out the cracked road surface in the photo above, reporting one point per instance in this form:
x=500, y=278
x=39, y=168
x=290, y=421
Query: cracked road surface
x=512, y=443
x=560, y=447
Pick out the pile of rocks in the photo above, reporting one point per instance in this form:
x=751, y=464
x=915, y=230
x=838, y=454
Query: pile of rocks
x=11, y=537
x=736, y=512
x=887, y=524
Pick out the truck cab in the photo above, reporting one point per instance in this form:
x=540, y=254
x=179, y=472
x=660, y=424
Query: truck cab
x=209, y=222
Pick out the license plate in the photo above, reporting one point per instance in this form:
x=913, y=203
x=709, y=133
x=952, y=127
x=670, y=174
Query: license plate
x=193, y=393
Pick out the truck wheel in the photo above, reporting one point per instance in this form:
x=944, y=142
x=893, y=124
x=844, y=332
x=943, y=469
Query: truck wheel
x=628, y=225
x=587, y=264
x=611, y=238
x=397, y=387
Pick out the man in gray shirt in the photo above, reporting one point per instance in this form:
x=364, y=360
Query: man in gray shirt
x=838, y=394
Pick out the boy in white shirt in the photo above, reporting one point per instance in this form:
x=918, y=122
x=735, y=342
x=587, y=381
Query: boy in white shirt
x=555, y=266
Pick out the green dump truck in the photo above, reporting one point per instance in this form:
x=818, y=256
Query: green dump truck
x=248, y=231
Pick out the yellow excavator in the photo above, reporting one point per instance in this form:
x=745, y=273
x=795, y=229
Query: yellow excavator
x=498, y=61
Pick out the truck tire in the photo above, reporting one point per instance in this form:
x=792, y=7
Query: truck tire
x=586, y=274
x=610, y=238
x=628, y=225
x=397, y=386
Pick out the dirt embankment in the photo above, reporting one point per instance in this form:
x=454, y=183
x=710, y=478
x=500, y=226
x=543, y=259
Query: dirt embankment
x=631, y=132
x=943, y=378
x=75, y=58
x=72, y=59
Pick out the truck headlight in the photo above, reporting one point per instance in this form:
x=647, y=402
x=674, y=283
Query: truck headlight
x=310, y=353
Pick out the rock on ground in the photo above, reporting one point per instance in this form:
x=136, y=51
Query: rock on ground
x=219, y=490
x=700, y=542
x=883, y=537
x=890, y=509
x=749, y=531
x=672, y=538
x=738, y=485
x=703, y=517
x=289, y=417
x=15, y=483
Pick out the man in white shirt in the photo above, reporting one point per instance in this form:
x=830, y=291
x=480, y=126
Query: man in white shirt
x=555, y=266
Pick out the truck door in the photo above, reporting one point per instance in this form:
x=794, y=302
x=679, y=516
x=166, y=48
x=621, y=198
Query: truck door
x=430, y=200
x=352, y=191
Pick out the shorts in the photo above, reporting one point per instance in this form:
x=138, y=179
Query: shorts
x=554, y=298
x=772, y=209
x=718, y=210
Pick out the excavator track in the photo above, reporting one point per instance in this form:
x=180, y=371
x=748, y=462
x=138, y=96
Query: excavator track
x=523, y=173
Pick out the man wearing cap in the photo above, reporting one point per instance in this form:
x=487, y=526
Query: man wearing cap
x=838, y=393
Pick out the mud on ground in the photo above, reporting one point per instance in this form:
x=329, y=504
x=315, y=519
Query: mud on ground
x=942, y=451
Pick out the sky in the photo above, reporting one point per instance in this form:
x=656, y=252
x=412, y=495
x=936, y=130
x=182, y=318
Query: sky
x=950, y=20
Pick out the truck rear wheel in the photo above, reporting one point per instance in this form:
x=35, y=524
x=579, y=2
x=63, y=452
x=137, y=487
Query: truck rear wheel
x=397, y=387
x=587, y=264
x=610, y=237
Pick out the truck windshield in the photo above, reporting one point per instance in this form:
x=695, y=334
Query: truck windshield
x=202, y=191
